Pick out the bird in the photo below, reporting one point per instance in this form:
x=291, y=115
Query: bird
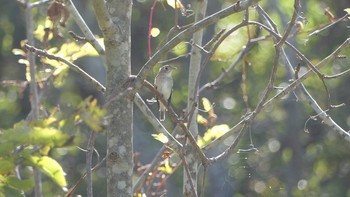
x=164, y=84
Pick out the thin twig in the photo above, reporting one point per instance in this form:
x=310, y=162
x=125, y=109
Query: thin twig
x=237, y=7
x=155, y=161
x=38, y=3
x=180, y=122
x=205, y=171
x=223, y=74
x=150, y=24
x=291, y=23
x=90, y=151
x=311, y=100
x=72, y=189
x=84, y=28
x=337, y=75
x=188, y=174
x=76, y=68
x=325, y=117
x=316, y=32
x=155, y=122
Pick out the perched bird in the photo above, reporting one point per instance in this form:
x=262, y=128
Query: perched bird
x=164, y=84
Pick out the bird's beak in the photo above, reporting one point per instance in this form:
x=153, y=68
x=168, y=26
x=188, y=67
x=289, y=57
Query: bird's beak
x=173, y=67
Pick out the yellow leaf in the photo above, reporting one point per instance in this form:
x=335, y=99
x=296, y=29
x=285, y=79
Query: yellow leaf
x=18, y=52
x=176, y=4
x=166, y=168
x=213, y=133
x=23, y=61
x=155, y=32
x=161, y=137
x=206, y=104
x=180, y=49
x=347, y=10
x=201, y=120
x=50, y=167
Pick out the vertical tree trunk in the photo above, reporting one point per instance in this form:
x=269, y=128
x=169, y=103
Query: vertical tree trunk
x=114, y=18
x=200, y=7
x=34, y=102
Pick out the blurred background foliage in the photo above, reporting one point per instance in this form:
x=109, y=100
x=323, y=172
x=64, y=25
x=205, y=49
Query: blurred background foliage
x=288, y=151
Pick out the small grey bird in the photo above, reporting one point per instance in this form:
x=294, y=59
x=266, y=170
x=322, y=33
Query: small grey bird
x=164, y=84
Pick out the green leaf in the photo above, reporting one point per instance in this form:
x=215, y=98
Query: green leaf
x=6, y=166
x=23, y=133
x=92, y=114
x=5, y=191
x=48, y=166
x=25, y=185
x=6, y=148
x=180, y=49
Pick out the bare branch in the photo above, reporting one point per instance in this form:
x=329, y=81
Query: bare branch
x=72, y=189
x=76, y=68
x=89, y=153
x=311, y=100
x=291, y=23
x=237, y=7
x=142, y=178
x=329, y=26
x=155, y=122
x=223, y=74
x=38, y=3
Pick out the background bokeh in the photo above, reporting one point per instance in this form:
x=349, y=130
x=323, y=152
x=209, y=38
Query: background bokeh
x=297, y=155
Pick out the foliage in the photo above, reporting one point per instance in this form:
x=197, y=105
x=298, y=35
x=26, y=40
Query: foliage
x=288, y=149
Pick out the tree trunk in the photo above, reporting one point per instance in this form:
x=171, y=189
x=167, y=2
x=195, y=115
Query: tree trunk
x=200, y=7
x=114, y=18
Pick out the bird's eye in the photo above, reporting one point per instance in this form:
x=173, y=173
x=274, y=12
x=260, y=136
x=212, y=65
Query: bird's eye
x=166, y=68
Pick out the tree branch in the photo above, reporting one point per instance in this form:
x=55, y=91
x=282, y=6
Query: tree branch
x=76, y=68
x=235, y=8
x=85, y=29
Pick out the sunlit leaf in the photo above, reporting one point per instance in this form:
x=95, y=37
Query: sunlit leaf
x=18, y=52
x=89, y=50
x=91, y=114
x=161, y=137
x=23, y=61
x=45, y=122
x=155, y=32
x=45, y=150
x=206, y=104
x=180, y=49
x=176, y=4
x=22, y=133
x=201, y=120
x=166, y=167
x=212, y=134
x=40, y=32
x=347, y=10
x=50, y=167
